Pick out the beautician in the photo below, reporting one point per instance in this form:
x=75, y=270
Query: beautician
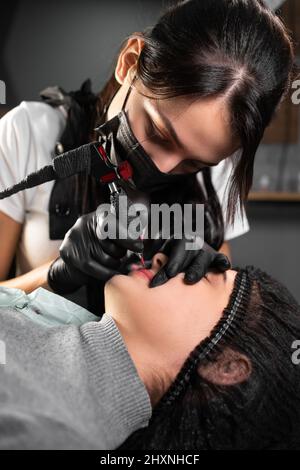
x=193, y=96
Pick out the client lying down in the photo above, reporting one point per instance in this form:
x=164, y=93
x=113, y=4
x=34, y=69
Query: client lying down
x=207, y=366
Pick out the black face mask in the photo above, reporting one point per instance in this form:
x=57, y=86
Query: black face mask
x=120, y=144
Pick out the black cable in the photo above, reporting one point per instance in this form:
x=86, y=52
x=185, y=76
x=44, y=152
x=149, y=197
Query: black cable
x=63, y=166
x=34, y=179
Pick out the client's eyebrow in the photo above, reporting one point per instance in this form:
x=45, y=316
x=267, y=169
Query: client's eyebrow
x=224, y=274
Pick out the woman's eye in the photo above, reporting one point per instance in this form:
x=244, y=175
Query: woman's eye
x=154, y=134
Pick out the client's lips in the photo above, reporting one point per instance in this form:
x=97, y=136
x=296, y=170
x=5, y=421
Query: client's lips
x=144, y=272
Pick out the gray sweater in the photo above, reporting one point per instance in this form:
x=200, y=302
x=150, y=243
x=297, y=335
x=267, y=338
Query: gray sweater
x=67, y=387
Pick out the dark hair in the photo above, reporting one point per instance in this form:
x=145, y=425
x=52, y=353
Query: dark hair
x=263, y=412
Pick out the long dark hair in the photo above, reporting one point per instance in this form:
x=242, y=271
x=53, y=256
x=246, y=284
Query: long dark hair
x=262, y=412
x=236, y=49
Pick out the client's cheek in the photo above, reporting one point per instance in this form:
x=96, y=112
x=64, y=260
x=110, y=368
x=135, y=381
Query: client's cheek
x=164, y=301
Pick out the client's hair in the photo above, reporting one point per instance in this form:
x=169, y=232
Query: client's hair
x=197, y=412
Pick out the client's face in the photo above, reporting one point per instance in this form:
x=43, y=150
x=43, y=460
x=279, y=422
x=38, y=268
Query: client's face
x=170, y=319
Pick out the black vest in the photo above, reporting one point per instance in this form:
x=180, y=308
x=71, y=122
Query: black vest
x=64, y=207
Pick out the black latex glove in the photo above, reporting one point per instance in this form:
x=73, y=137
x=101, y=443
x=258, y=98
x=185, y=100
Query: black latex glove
x=86, y=255
x=64, y=279
x=194, y=263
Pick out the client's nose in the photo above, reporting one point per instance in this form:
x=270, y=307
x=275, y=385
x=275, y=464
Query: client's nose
x=158, y=261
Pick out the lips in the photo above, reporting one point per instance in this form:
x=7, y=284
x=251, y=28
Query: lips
x=146, y=273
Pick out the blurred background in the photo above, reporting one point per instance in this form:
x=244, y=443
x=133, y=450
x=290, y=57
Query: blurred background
x=45, y=43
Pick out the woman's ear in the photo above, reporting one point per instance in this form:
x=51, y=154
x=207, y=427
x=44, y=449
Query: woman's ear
x=230, y=368
x=128, y=57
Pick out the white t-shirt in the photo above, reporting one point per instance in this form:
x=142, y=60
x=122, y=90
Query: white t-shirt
x=28, y=134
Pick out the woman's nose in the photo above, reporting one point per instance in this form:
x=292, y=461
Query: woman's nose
x=167, y=162
x=158, y=261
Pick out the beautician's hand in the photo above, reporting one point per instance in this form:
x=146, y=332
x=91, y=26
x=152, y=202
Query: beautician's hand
x=64, y=279
x=84, y=251
x=194, y=263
